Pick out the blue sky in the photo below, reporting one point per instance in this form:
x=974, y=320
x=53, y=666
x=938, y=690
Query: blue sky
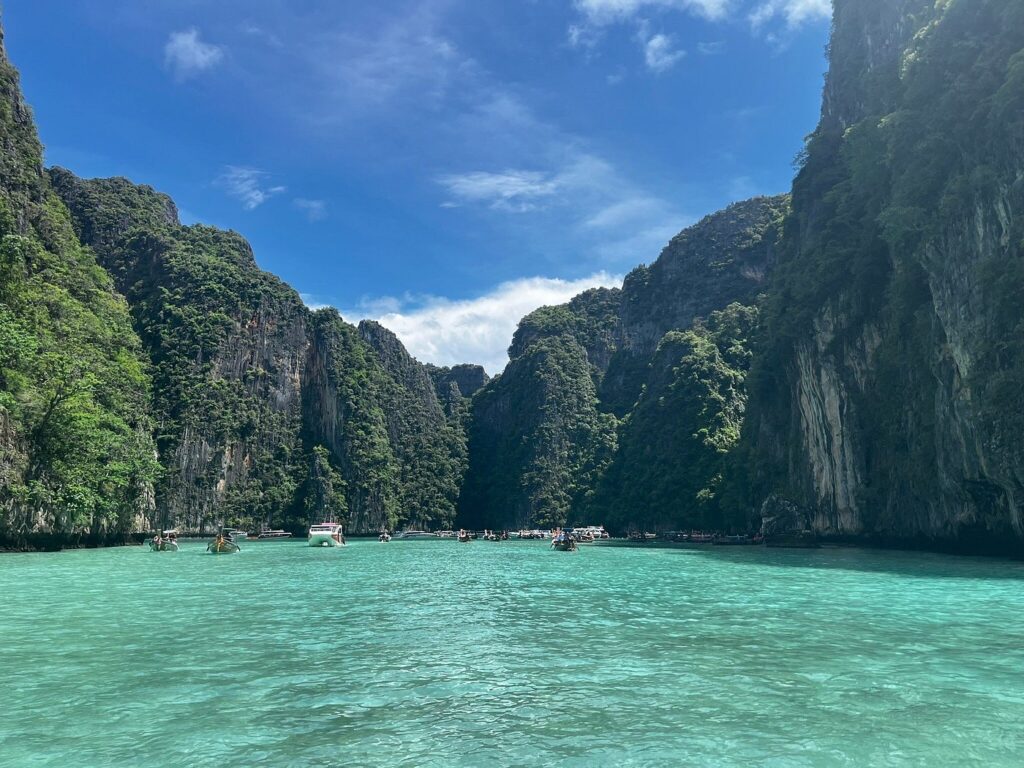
x=442, y=165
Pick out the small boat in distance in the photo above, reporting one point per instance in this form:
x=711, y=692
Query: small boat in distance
x=326, y=535
x=563, y=542
x=268, y=533
x=223, y=544
x=416, y=535
x=465, y=537
x=164, y=542
x=237, y=534
x=384, y=537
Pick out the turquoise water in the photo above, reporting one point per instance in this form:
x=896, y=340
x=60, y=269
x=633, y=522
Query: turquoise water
x=507, y=654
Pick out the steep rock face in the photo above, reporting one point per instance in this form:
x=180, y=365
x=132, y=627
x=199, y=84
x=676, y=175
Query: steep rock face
x=724, y=258
x=76, y=460
x=227, y=342
x=662, y=463
x=537, y=442
x=889, y=390
x=466, y=380
x=343, y=408
x=429, y=443
x=675, y=444
x=591, y=319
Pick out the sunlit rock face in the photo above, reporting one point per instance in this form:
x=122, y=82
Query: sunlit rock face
x=892, y=407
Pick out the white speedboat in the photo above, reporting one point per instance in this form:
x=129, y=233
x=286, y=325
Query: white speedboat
x=416, y=535
x=237, y=535
x=326, y=535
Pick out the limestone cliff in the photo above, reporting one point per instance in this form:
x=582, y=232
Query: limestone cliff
x=76, y=459
x=889, y=390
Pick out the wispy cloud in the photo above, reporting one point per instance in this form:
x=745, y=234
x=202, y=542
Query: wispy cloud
x=248, y=185
x=447, y=332
x=609, y=11
x=660, y=53
x=315, y=210
x=711, y=49
x=186, y=55
x=597, y=16
x=586, y=196
x=511, y=190
x=794, y=12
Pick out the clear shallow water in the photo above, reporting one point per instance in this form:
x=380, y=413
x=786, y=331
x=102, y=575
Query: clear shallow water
x=435, y=653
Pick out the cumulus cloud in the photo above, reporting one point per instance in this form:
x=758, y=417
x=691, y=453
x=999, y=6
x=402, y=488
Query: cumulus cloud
x=315, y=210
x=247, y=185
x=661, y=54
x=186, y=55
x=447, y=332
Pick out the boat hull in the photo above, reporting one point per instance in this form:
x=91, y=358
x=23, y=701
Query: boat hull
x=324, y=540
x=164, y=546
x=222, y=548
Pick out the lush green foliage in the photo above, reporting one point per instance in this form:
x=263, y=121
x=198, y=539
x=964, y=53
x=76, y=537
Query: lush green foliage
x=537, y=441
x=674, y=444
x=75, y=454
x=906, y=233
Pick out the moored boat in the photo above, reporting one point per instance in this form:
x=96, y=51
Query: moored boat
x=416, y=535
x=326, y=535
x=563, y=542
x=464, y=537
x=164, y=542
x=273, y=533
x=384, y=537
x=238, y=535
x=223, y=544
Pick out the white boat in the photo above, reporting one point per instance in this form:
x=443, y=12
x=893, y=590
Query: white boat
x=593, y=532
x=416, y=535
x=326, y=535
x=271, y=533
x=237, y=535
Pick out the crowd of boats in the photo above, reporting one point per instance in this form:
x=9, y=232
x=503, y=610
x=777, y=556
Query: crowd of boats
x=331, y=534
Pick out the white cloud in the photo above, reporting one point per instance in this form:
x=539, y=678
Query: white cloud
x=795, y=12
x=315, y=210
x=609, y=11
x=447, y=332
x=247, y=184
x=511, y=190
x=186, y=55
x=660, y=53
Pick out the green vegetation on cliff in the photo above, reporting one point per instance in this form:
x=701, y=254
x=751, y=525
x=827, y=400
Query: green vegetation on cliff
x=75, y=453
x=674, y=446
x=888, y=393
x=623, y=407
